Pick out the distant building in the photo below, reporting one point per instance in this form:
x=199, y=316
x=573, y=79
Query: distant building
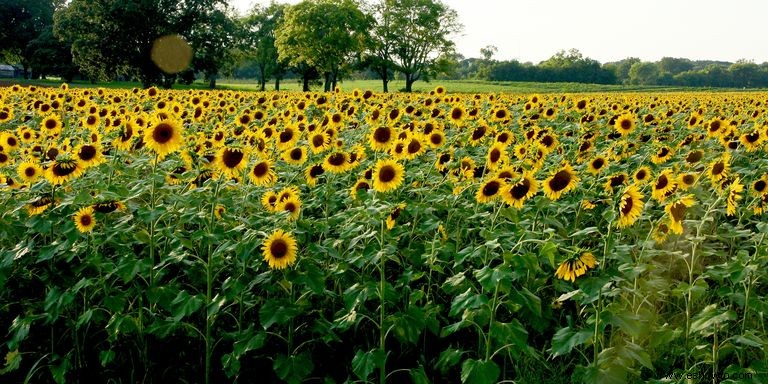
x=7, y=70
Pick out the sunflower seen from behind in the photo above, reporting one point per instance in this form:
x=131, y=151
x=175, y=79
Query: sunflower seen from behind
x=280, y=249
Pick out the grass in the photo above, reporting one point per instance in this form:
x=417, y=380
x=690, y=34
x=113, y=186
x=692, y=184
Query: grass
x=457, y=86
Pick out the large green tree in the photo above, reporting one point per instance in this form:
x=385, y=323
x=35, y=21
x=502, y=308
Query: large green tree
x=22, y=21
x=259, y=42
x=324, y=34
x=418, y=36
x=113, y=38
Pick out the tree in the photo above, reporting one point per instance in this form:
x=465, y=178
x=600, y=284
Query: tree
x=419, y=31
x=644, y=73
x=381, y=44
x=259, y=42
x=49, y=56
x=324, y=34
x=112, y=38
x=22, y=22
x=215, y=42
x=674, y=65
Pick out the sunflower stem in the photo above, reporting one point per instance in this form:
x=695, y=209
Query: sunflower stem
x=209, y=319
x=599, y=308
x=382, y=332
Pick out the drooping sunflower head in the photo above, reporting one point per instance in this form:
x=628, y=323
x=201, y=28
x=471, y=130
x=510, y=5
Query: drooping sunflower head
x=630, y=206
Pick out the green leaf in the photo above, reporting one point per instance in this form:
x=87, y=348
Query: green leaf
x=185, y=304
x=448, y=359
x=106, y=357
x=364, y=363
x=566, y=339
x=547, y=252
x=408, y=326
x=709, y=317
x=584, y=232
x=479, y=372
x=465, y=301
x=509, y=333
x=277, y=312
x=293, y=369
x=419, y=376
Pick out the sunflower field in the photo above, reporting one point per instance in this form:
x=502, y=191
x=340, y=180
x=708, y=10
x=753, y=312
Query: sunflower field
x=220, y=236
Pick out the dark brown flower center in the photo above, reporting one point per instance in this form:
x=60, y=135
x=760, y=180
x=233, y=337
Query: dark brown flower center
x=261, y=169
x=232, y=157
x=520, y=190
x=560, y=181
x=278, y=249
x=87, y=153
x=162, y=133
x=387, y=173
x=491, y=188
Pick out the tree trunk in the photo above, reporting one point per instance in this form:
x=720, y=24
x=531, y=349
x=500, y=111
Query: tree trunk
x=333, y=79
x=305, y=88
x=262, y=78
x=212, y=82
x=385, y=79
x=327, y=82
x=409, y=80
x=277, y=83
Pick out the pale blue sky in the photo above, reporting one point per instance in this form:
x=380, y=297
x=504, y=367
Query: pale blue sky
x=609, y=30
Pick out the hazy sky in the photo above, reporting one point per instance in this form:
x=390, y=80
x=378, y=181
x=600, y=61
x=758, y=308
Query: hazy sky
x=609, y=30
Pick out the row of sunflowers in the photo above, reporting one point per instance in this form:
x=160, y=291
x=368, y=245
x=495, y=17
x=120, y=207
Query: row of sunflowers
x=426, y=237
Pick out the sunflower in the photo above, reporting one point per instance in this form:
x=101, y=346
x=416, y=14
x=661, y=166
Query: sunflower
x=661, y=232
x=441, y=163
x=490, y=191
x=686, y=180
x=84, y=220
x=597, y=164
x=560, y=182
x=720, y=168
x=751, y=140
x=734, y=195
x=576, y=266
x=269, y=201
x=295, y=156
x=630, y=206
x=280, y=249
x=665, y=183
x=108, y=206
x=457, y=114
x=292, y=205
x=694, y=156
x=394, y=215
x=360, y=185
x=414, y=148
x=51, y=125
x=662, y=155
x=642, y=175
x=387, y=175
x=676, y=212
x=231, y=161
x=91, y=122
x=39, y=205
x=89, y=155
x=336, y=162
x=312, y=173
x=381, y=138
x=164, y=137
x=760, y=186
x=516, y=194
x=716, y=128
x=496, y=156
x=319, y=142
x=262, y=173
x=625, y=124
x=435, y=139
x=62, y=170
x=29, y=171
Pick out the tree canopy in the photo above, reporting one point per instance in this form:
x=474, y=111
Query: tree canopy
x=324, y=34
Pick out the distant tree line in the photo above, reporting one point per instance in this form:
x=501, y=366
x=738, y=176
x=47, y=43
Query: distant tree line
x=314, y=41
x=572, y=66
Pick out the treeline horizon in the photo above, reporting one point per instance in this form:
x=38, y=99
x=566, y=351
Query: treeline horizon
x=316, y=41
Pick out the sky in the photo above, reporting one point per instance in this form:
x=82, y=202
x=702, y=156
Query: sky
x=608, y=30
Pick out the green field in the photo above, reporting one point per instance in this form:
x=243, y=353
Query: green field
x=459, y=86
